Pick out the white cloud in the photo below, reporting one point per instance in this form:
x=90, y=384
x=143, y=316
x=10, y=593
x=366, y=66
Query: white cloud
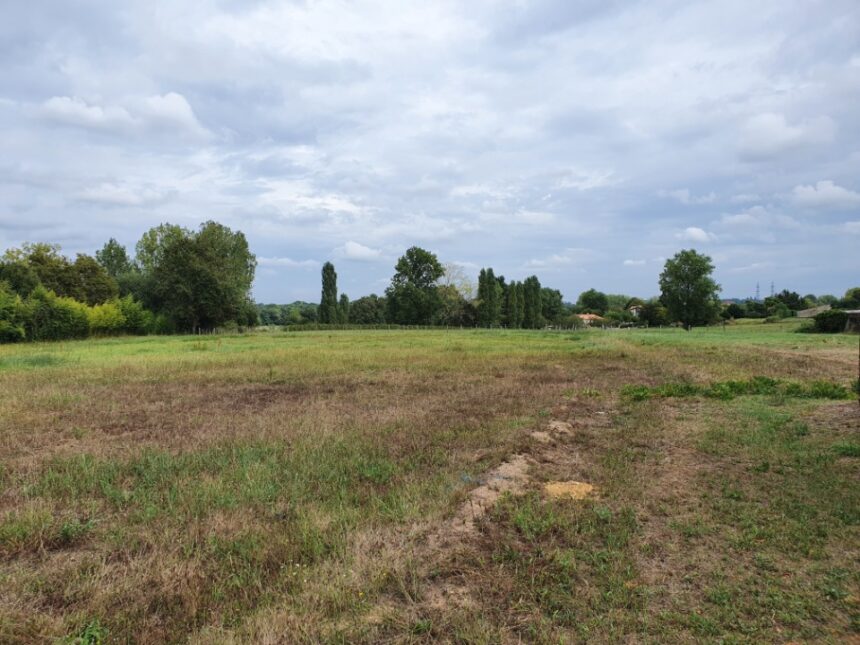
x=749, y=268
x=683, y=196
x=169, y=113
x=586, y=179
x=769, y=135
x=695, y=234
x=568, y=257
x=123, y=195
x=852, y=227
x=745, y=198
x=355, y=251
x=77, y=112
x=634, y=263
x=757, y=223
x=826, y=194
x=287, y=262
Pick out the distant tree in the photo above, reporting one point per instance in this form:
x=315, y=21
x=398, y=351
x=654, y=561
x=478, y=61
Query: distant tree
x=412, y=297
x=454, y=309
x=453, y=275
x=688, y=291
x=514, y=306
x=328, y=302
x=617, y=301
x=199, y=280
x=532, y=305
x=152, y=244
x=778, y=309
x=84, y=279
x=489, y=299
x=734, y=310
x=593, y=301
x=654, y=314
x=114, y=258
x=755, y=309
x=851, y=299
x=343, y=309
x=827, y=299
x=552, y=305
x=94, y=284
x=791, y=299
x=54, y=271
x=19, y=276
x=369, y=310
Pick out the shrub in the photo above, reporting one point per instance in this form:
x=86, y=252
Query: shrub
x=831, y=322
x=10, y=333
x=106, y=319
x=49, y=317
x=12, y=316
x=138, y=320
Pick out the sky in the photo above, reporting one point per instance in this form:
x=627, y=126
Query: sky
x=584, y=141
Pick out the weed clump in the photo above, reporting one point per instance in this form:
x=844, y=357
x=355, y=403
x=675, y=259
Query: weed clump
x=728, y=390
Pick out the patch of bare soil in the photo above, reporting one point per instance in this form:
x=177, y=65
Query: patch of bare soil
x=552, y=446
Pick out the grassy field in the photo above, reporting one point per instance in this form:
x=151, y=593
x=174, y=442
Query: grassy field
x=306, y=487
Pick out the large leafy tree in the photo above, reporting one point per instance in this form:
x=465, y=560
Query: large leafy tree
x=93, y=283
x=369, y=310
x=328, y=302
x=412, y=296
x=114, y=258
x=19, y=276
x=688, y=292
x=593, y=301
x=201, y=279
x=851, y=299
x=552, y=305
x=42, y=264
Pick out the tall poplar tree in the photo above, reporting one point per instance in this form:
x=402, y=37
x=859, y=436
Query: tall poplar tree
x=343, y=309
x=514, y=318
x=489, y=299
x=532, y=318
x=328, y=304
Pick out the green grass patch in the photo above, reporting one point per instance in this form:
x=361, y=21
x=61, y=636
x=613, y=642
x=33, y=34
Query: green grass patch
x=728, y=390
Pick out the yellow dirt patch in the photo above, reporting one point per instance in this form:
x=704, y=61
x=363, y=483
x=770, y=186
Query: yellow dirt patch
x=571, y=489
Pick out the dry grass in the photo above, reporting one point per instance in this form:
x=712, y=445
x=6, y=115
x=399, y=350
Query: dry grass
x=298, y=488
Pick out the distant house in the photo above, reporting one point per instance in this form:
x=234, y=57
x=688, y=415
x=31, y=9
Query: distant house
x=591, y=319
x=635, y=310
x=813, y=312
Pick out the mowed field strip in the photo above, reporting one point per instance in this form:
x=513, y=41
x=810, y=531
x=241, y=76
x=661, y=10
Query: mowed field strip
x=478, y=486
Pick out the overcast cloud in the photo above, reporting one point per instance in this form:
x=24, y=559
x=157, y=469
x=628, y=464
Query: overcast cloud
x=584, y=141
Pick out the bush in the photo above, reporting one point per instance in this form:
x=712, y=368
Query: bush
x=106, y=319
x=49, y=317
x=138, y=320
x=12, y=315
x=10, y=333
x=831, y=322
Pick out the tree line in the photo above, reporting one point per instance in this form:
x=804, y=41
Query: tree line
x=179, y=280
